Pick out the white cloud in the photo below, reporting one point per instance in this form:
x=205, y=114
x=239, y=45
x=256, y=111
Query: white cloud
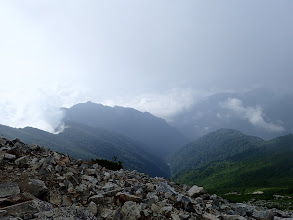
x=254, y=115
x=164, y=105
x=39, y=107
x=36, y=107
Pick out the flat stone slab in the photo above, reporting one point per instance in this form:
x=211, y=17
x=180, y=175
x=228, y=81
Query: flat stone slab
x=67, y=213
x=9, y=189
x=28, y=207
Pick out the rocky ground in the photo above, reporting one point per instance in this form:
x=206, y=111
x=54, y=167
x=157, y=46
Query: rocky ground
x=36, y=183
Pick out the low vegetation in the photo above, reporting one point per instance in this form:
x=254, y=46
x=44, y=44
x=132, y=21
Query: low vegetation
x=266, y=167
x=110, y=165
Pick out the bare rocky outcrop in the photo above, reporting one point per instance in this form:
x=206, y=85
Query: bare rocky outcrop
x=36, y=183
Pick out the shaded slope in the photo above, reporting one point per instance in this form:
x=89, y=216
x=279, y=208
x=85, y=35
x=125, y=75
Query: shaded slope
x=154, y=132
x=86, y=143
x=108, y=144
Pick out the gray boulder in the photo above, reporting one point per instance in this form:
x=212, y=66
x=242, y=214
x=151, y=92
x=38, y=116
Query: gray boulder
x=195, y=191
x=67, y=213
x=27, y=208
x=35, y=187
x=130, y=211
x=9, y=189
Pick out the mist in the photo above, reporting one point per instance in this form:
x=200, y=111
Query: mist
x=254, y=114
x=157, y=56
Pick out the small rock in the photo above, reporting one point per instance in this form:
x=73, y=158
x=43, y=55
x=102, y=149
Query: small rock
x=55, y=197
x=186, y=202
x=81, y=188
x=29, y=207
x=66, y=201
x=279, y=218
x=150, y=187
x=151, y=201
x=93, y=208
x=184, y=216
x=166, y=211
x=86, y=177
x=164, y=188
x=69, y=213
x=34, y=147
x=198, y=210
x=2, y=141
x=109, y=186
x=107, y=213
x=208, y=216
x=34, y=186
x=9, y=156
x=9, y=189
x=90, y=172
x=58, y=168
x=98, y=199
x=156, y=209
x=130, y=211
x=124, y=197
x=3, y=213
x=263, y=214
x=1, y=157
x=195, y=191
x=232, y=217
x=22, y=161
x=107, y=176
x=175, y=216
x=241, y=209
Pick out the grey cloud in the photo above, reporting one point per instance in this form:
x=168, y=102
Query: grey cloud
x=254, y=115
x=139, y=53
x=139, y=47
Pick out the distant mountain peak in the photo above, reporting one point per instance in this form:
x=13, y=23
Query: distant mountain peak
x=144, y=127
x=217, y=145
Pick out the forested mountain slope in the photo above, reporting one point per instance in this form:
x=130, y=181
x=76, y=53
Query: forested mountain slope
x=85, y=142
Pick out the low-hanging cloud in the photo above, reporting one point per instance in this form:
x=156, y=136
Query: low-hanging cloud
x=36, y=107
x=40, y=107
x=34, y=112
x=165, y=104
x=254, y=115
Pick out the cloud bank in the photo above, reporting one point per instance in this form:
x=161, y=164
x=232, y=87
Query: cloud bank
x=165, y=104
x=36, y=107
x=254, y=115
x=39, y=107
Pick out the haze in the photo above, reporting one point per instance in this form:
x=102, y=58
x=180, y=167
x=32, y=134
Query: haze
x=157, y=56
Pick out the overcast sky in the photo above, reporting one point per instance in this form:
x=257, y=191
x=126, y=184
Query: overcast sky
x=154, y=55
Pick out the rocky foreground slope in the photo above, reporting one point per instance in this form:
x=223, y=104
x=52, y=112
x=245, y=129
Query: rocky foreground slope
x=36, y=183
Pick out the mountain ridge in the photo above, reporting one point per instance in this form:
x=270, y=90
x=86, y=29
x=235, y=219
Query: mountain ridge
x=90, y=143
x=216, y=145
x=264, y=165
x=144, y=127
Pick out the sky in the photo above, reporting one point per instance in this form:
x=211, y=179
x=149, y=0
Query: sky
x=157, y=56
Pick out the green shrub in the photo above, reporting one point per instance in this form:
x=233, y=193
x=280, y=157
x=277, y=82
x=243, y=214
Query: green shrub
x=110, y=165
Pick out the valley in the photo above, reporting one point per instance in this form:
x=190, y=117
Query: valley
x=227, y=162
